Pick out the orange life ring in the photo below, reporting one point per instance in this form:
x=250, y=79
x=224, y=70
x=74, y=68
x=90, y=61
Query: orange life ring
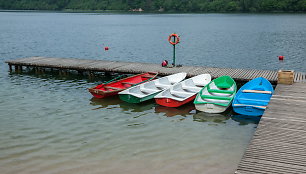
x=176, y=38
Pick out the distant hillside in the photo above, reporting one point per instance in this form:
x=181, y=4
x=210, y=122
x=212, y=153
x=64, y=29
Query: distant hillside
x=160, y=5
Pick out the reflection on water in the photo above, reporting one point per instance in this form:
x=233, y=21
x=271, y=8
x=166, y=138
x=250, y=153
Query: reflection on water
x=208, y=117
x=140, y=107
x=184, y=110
x=245, y=119
x=48, y=73
x=105, y=102
x=115, y=101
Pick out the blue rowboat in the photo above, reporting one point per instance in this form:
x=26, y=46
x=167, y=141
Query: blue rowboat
x=253, y=97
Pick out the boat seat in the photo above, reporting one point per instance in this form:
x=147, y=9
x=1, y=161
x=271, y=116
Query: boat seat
x=220, y=91
x=178, y=95
x=214, y=89
x=252, y=100
x=163, y=83
x=191, y=89
x=148, y=91
x=181, y=92
x=129, y=83
x=163, y=86
x=257, y=91
x=114, y=88
x=216, y=97
x=189, y=84
x=148, y=76
x=257, y=106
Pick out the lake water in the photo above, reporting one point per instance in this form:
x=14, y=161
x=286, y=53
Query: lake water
x=51, y=124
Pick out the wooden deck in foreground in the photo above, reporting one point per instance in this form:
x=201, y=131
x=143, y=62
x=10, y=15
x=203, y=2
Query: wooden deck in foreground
x=279, y=143
x=88, y=65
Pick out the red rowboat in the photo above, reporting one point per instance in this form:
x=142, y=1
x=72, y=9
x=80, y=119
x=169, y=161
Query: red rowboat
x=112, y=88
x=183, y=92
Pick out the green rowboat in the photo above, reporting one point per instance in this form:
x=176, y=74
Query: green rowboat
x=217, y=96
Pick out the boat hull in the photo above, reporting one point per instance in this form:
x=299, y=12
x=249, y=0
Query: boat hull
x=253, y=97
x=102, y=94
x=133, y=99
x=168, y=102
x=211, y=108
x=217, y=96
x=247, y=110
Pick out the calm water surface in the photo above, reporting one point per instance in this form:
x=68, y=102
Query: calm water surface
x=51, y=124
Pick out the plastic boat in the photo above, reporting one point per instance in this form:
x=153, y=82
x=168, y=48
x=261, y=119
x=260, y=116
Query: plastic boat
x=253, y=97
x=149, y=90
x=183, y=92
x=115, y=86
x=217, y=96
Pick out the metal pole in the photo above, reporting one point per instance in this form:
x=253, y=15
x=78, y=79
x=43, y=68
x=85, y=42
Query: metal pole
x=173, y=53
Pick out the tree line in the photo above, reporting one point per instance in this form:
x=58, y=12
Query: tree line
x=160, y=5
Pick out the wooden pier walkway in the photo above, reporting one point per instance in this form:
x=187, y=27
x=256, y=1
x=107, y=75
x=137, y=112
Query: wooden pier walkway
x=87, y=65
x=279, y=143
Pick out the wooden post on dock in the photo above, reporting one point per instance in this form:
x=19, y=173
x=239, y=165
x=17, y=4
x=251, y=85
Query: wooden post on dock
x=80, y=72
x=90, y=75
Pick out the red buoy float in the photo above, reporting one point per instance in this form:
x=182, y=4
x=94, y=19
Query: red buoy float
x=164, y=63
x=106, y=48
x=280, y=57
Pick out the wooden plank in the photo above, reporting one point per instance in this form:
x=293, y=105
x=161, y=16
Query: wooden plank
x=128, y=83
x=296, y=77
x=257, y=91
x=256, y=106
x=109, y=87
x=249, y=74
x=274, y=76
x=238, y=73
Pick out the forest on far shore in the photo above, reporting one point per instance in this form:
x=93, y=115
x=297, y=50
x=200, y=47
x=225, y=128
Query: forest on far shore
x=159, y=5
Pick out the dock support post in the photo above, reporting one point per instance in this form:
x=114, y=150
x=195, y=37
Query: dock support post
x=18, y=68
x=40, y=70
x=90, y=75
x=62, y=72
x=80, y=72
x=108, y=74
x=10, y=67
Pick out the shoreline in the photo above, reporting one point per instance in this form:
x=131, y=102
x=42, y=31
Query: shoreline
x=145, y=12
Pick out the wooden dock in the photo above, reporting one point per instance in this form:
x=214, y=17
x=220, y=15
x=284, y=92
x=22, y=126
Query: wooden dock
x=91, y=66
x=279, y=143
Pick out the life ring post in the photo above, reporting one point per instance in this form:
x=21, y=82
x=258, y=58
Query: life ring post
x=174, y=54
x=176, y=40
